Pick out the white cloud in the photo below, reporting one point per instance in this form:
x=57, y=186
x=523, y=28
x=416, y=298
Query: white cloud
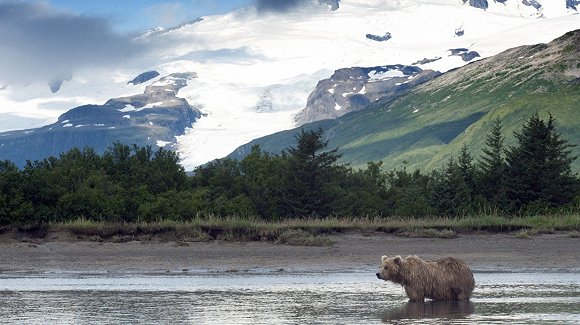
x=39, y=43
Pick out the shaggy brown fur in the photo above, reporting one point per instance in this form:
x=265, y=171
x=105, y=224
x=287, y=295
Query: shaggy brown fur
x=443, y=279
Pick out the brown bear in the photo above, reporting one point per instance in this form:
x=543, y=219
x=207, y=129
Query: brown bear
x=443, y=279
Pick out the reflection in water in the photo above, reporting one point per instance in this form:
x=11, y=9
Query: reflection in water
x=278, y=298
x=430, y=309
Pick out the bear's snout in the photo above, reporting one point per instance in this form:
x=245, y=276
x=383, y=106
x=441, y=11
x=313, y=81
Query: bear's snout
x=379, y=276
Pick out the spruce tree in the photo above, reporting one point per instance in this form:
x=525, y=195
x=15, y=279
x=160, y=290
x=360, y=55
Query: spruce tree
x=467, y=169
x=451, y=195
x=492, y=168
x=310, y=176
x=539, y=167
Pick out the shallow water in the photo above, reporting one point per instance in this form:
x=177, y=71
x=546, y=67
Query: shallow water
x=278, y=298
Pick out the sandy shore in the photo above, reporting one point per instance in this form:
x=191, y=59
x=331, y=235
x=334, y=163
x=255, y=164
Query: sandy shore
x=350, y=252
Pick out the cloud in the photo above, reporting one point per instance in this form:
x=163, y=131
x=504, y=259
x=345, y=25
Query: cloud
x=39, y=43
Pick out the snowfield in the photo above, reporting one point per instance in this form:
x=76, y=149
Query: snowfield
x=255, y=71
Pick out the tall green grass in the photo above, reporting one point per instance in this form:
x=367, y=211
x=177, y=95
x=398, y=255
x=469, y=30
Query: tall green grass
x=310, y=231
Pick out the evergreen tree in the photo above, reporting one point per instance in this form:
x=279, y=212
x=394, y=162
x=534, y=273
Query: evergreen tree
x=492, y=168
x=451, y=195
x=539, y=167
x=262, y=182
x=361, y=192
x=10, y=192
x=467, y=170
x=410, y=193
x=310, y=176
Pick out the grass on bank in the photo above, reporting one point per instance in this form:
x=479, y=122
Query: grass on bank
x=307, y=232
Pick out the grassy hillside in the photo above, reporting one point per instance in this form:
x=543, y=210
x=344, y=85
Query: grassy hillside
x=422, y=128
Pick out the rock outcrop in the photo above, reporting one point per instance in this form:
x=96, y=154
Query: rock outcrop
x=334, y=4
x=481, y=4
x=532, y=3
x=571, y=4
x=465, y=54
x=144, y=77
x=378, y=38
x=353, y=89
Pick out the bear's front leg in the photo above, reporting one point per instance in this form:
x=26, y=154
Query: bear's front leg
x=414, y=294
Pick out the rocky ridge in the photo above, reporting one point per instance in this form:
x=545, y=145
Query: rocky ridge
x=353, y=89
x=153, y=118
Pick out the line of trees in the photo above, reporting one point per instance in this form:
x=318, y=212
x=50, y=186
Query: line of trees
x=131, y=183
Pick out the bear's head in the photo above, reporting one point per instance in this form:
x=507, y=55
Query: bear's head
x=390, y=268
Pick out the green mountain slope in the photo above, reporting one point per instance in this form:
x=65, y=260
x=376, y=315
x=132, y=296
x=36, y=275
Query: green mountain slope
x=424, y=127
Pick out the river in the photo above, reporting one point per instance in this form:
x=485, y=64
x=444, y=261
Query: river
x=278, y=298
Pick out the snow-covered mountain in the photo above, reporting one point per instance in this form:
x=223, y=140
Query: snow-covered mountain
x=425, y=126
x=152, y=118
x=256, y=69
x=353, y=89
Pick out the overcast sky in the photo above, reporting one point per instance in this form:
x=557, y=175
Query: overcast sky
x=139, y=15
x=51, y=39
x=48, y=40
x=39, y=42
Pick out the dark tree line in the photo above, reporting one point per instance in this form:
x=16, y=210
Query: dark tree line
x=131, y=183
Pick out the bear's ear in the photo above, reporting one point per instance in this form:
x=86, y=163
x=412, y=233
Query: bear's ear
x=384, y=258
x=397, y=259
